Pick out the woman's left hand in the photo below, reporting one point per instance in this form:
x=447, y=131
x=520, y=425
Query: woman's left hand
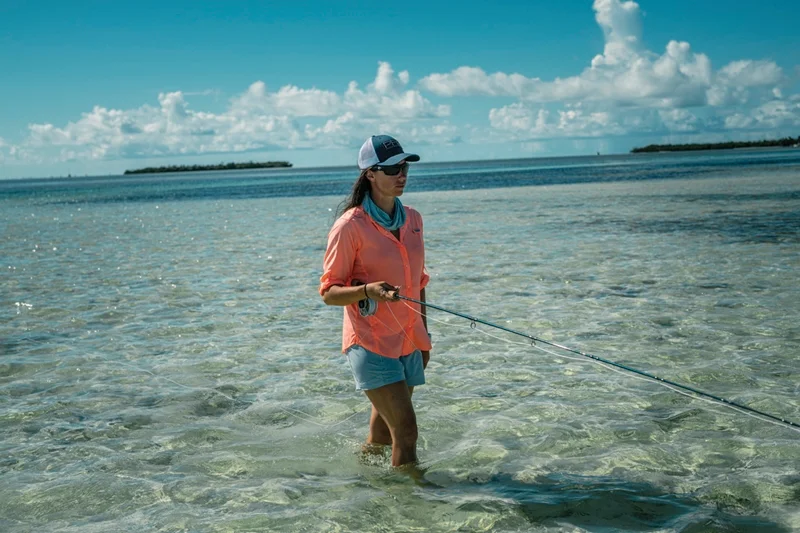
x=380, y=291
x=426, y=356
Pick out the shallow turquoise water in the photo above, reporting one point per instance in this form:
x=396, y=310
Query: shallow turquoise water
x=167, y=365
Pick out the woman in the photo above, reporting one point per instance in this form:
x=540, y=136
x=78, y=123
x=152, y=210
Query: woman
x=375, y=251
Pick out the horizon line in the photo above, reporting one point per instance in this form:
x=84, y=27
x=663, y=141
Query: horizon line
x=421, y=163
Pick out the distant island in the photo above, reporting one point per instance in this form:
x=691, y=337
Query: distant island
x=785, y=142
x=221, y=166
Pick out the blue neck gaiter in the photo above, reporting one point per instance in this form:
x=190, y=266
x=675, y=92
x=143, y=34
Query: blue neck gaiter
x=382, y=217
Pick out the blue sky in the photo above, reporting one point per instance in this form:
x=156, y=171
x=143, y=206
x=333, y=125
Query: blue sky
x=96, y=87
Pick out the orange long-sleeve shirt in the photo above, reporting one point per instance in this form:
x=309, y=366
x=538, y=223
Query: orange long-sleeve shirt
x=360, y=249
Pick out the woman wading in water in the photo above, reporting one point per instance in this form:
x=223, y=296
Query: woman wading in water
x=375, y=251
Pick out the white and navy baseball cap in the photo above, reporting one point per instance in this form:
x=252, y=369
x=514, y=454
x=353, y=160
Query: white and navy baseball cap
x=382, y=150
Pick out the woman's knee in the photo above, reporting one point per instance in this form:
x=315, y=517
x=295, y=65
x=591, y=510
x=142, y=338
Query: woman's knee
x=406, y=431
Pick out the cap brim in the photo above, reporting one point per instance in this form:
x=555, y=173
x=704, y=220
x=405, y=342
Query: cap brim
x=411, y=158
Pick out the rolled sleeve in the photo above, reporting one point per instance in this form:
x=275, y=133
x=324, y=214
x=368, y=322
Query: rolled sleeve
x=337, y=266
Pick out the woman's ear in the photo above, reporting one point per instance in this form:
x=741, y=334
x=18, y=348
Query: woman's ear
x=369, y=175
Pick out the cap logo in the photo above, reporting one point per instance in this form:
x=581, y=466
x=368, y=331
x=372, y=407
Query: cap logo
x=390, y=143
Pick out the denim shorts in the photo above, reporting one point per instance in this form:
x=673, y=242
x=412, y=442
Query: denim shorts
x=372, y=371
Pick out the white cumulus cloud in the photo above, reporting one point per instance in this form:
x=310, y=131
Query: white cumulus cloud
x=524, y=122
x=624, y=90
x=466, y=81
x=628, y=89
x=624, y=74
x=256, y=119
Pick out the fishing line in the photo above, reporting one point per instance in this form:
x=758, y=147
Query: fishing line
x=607, y=367
x=686, y=390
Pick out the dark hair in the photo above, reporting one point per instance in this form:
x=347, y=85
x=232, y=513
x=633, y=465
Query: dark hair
x=356, y=196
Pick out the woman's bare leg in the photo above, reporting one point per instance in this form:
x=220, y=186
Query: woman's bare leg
x=379, y=434
x=392, y=409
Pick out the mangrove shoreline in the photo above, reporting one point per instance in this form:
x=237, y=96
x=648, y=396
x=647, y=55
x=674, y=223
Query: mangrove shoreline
x=198, y=168
x=786, y=142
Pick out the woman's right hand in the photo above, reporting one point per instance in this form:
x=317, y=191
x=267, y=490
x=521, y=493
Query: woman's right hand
x=380, y=291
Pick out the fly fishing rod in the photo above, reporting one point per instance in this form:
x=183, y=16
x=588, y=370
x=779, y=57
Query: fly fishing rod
x=473, y=321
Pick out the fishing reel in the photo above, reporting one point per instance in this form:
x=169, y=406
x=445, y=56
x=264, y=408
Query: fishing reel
x=367, y=306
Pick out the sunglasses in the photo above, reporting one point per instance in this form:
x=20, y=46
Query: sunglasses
x=392, y=170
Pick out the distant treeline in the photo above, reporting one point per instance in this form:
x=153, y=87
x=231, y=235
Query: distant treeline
x=786, y=141
x=221, y=166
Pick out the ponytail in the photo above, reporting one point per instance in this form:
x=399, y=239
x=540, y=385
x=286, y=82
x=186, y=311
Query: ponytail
x=360, y=189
